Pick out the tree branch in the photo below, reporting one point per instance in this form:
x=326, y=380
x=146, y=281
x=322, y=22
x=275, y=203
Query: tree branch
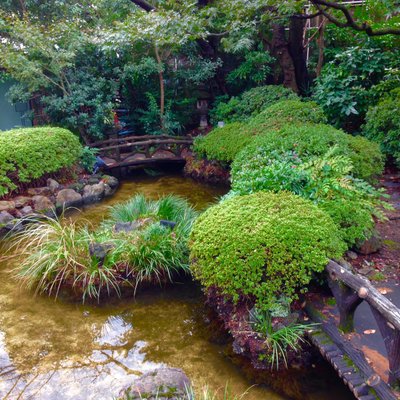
x=144, y=5
x=350, y=21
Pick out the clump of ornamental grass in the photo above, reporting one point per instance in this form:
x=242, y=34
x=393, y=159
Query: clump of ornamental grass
x=57, y=253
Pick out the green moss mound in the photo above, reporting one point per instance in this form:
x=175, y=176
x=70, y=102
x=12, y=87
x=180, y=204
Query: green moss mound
x=383, y=125
x=310, y=140
x=262, y=245
x=28, y=154
x=285, y=112
x=250, y=103
x=223, y=144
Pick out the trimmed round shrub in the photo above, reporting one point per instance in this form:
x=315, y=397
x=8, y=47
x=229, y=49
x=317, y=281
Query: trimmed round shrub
x=28, y=154
x=311, y=140
x=262, y=246
x=250, y=103
x=222, y=144
x=289, y=112
x=383, y=125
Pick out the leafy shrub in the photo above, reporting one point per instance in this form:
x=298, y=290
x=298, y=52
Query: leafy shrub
x=310, y=140
x=288, y=112
x=28, y=154
x=88, y=158
x=250, y=103
x=222, y=144
x=262, y=245
x=58, y=255
x=383, y=125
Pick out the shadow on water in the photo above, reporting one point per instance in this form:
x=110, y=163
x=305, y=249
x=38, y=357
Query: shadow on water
x=64, y=350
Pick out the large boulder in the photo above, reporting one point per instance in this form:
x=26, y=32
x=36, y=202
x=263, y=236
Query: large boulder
x=371, y=245
x=53, y=185
x=42, y=203
x=7, y=205
x=160, y=384
x=111, y=181
x=40, y=191
x=93, y=193
x=68, y=198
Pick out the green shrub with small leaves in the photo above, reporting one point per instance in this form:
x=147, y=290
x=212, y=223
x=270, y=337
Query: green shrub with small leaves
x=223, y=144
x=250, y=103
x=313, y=140
x=28, y=154
x=291, y=111
x=262, y=246
x=383, y=125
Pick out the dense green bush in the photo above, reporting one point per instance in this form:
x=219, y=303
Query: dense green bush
x=224, y=143
x=250, y=103
x=325, y=180
x=28, y=154
x=310, y=140
x=262, y=245
x=133, y=248
x=288, y=112
x=383, y=125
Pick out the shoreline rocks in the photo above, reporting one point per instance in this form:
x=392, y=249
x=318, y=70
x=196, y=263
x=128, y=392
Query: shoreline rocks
x=54, y=198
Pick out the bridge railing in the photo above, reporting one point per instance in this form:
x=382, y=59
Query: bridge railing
x=122, y=148
x=350, y=290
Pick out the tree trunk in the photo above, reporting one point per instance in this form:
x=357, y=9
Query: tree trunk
x=281, y=51
x=321, y=45
x=162, y=88
x=296, y=49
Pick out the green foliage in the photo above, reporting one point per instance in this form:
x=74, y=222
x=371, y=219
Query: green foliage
x=224, y=143
x=28, y=154
x=279, y=340
x=250, y=103
x=88, y=158
x=310, y=140
x=289, y=111
x=383, y=124
x=262, y=245
x=57, y=254
x=345, y=87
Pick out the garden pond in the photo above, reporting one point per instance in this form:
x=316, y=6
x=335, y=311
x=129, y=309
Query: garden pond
x=66, y=350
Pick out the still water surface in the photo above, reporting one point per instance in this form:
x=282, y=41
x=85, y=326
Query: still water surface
x=63, y=350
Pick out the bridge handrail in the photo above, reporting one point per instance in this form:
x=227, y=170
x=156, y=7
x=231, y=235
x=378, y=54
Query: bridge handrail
x=349, y=290
x=146, y=143
x=139, y=138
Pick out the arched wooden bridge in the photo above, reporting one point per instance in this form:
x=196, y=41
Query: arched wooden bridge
x=143, y=151
x=371, y=374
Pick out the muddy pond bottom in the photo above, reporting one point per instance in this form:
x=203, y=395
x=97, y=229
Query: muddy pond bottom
x=64, y=350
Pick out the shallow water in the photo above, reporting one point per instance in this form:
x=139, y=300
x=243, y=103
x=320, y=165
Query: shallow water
x=63, y=350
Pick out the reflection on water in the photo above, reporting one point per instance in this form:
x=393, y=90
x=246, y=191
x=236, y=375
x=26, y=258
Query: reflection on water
x=63, y=350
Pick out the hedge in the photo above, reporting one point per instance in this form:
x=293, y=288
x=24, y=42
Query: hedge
x=28, y=154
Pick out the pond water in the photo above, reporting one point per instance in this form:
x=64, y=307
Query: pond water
x=64, y=350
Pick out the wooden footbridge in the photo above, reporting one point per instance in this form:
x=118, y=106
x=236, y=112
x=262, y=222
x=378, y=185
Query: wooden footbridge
x=143, y=151
x=340, y=345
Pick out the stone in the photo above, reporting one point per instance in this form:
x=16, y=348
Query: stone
x=40, y=191
x=108, y=191
x=5, y=218
x=160, y=384
x=99, y=251
x=94, y=179
x=27, y=210
x=7, y=205
x=68, y=198
x=352, y=255
x=22, y=201
x=126, y=226
x=111, y=181
x=42, y=203
x=93, y=193
x=371, y=245
x=53, y=185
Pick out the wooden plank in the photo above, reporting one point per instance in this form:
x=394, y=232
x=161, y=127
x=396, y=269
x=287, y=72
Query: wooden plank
x=146, y=161
x=153, y=142
x=136, y=138
x=380, y=387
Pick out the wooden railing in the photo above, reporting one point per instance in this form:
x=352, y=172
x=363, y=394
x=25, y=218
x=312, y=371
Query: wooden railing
x=122, y=148
x=350, y=290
